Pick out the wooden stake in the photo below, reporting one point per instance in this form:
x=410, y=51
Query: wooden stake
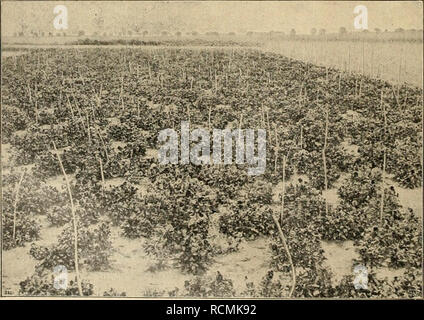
x=383, y=186
x=363, y=57
x=103, y=143
x=102, y=175
x=36, y=112
x=263, y=116
x=122, y=87
x=276, y=149
x=340, y=77
x=325, y=161
x=239, y=125
x=384, y=160
x=74, y=222
x=349, y=68
x=81, y=118
x=406, y=100
x=209, y=117
x=88, y=128
x=18, y=186
x=70, y=106
x=29, y=92
x=284, y=190
x=269, y=128
x=301, y=137
x=356, y=87
x=283, y=240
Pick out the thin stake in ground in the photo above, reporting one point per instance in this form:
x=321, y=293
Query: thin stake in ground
x=74, y=221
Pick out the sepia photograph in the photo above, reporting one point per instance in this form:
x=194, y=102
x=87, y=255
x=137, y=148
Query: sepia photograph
x=212, y=149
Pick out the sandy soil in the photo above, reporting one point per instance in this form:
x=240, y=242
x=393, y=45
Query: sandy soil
x=131, y=268
x=339, y=257
x=249, y=264
x=18, y=264
x=5, y=54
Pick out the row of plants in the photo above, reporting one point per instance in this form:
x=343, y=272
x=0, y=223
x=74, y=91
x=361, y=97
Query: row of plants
x=103, y=110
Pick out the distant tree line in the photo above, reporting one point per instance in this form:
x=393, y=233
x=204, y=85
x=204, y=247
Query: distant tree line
x=135, y=30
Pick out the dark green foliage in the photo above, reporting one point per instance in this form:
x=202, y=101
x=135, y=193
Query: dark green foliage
x=42, y=285
x=204, y=287
x=94, y=249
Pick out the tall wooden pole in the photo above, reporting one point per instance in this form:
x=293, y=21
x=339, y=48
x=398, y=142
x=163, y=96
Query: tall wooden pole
x=18, y=186
x=286, y=248
x=325, y=160
x=74, y=222
x=384, y=160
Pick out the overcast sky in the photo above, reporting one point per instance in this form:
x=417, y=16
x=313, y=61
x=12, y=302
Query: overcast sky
x=221, y=16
